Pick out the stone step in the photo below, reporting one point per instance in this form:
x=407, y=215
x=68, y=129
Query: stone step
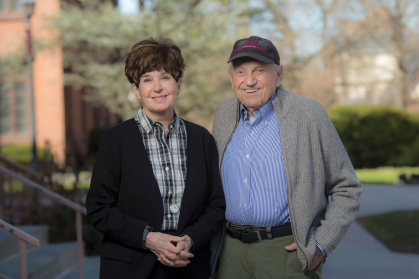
x=10, y=244
x=45, y=262
x=91, y=267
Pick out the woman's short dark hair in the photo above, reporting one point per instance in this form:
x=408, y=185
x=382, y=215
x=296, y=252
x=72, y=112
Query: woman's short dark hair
x=154, y=55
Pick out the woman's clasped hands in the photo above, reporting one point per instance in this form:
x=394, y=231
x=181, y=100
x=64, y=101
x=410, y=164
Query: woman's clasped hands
x=167, y=253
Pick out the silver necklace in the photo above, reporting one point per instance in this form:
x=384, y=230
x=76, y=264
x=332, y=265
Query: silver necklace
x=174, y=208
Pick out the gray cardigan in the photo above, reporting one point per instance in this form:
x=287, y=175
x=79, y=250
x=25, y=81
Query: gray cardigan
x=316, y=167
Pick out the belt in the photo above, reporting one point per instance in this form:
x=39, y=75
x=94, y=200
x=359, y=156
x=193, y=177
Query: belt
x=259, y=235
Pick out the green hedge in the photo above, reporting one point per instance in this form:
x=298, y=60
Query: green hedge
x=95, y=136
x=377, y=136
x=63, y=228
x=21, y=153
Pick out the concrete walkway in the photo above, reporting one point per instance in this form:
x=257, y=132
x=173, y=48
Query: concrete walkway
x=379, y=199
x=360, y=255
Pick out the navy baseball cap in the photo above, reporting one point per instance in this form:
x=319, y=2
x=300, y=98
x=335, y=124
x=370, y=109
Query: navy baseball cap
x=256, y=47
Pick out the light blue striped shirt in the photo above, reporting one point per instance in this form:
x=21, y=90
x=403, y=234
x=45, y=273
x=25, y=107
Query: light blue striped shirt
x=253, y=172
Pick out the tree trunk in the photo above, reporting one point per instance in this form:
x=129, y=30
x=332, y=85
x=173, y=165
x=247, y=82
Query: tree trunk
x=400, y=74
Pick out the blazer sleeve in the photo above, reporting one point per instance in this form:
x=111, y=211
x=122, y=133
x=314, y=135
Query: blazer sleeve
x=102, y=198
x=341, y=184
x=212, y=217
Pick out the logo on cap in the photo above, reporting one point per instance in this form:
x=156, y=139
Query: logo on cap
x=252, y=43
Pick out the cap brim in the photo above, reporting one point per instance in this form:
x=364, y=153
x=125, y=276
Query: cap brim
x=252, y=55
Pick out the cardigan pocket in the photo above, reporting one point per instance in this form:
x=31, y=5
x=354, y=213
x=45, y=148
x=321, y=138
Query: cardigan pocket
x=111, y=250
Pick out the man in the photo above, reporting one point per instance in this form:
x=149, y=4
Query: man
x=280, y=161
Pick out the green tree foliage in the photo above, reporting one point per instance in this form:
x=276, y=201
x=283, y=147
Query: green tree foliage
x=14, y=63
x=96, y=40
x=11, y=64
x=377, y=136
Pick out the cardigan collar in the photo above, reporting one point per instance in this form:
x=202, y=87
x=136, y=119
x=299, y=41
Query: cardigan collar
x=264, y=112
x=276, y=102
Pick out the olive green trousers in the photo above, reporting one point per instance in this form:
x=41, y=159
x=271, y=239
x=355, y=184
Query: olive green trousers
x=263, y=260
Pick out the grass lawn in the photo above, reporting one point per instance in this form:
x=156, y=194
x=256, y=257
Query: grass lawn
x=388, y=175
x=398, y=230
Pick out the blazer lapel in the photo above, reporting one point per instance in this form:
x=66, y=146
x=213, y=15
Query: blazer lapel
x=145, y=177
x=190, y=157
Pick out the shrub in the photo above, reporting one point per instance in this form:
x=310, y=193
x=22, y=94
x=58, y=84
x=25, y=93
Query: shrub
x=21, y=153
x=377, y=136
x=95, y=136
x=63, y=228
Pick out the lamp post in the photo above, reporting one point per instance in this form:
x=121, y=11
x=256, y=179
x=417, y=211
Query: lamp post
x=28, y=7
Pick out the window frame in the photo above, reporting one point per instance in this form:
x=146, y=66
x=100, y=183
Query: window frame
x=10, y=14
x=13, y=80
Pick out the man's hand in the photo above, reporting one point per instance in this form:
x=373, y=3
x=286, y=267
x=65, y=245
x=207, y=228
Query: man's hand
x=291, y=247
x=318, y=256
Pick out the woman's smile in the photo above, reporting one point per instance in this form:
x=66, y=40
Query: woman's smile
x=159, y=98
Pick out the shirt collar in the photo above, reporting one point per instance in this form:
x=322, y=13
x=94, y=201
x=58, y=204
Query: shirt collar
x=148, y=124
x=264, y=111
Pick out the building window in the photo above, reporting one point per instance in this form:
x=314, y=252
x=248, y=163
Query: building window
x=13, y=108
x=10, y=6
x=20, y=107
x=15, y=5
x=2, y=5
x=4, y=109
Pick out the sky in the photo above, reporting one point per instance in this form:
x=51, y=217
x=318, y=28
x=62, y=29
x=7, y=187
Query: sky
x=128, y=7
x=305, y=18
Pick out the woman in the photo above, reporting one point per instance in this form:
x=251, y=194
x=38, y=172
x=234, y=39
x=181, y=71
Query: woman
x=155, y=192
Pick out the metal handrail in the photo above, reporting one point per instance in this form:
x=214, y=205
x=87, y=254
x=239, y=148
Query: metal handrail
x=20, y=167
x=78, y=208
x=4, y=276
x=45, y=191
x=24, y=239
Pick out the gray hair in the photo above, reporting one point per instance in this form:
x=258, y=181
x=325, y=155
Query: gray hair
x=276, y=67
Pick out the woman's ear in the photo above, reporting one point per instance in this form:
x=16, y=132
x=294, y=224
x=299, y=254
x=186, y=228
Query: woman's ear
x=136, y=91
x=179, y=84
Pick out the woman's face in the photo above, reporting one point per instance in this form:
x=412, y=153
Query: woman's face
x=158, y=91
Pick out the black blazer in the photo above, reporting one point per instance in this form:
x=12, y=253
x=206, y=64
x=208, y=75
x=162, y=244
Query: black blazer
x=124, y=198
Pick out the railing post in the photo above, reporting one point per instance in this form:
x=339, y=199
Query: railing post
x=2, y=197
x=11, y=200
x=79, y=243
x=23, y=260
x=24, y=239
x=8, y=174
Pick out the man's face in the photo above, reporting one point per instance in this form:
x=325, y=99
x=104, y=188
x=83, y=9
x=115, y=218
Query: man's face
x=254, y=82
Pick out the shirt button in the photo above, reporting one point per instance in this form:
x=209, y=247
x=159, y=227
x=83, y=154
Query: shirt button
x=266, y=122
x=167, y=168
x=245, y=206
x=245, y=181
x=247, y=156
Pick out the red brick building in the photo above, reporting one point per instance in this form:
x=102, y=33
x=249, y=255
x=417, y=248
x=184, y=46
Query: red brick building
x=62, y=116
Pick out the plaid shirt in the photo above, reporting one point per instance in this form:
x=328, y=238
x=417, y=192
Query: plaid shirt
x=168, y=152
